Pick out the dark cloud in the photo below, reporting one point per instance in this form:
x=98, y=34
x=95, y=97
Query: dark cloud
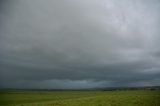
x=79, y=44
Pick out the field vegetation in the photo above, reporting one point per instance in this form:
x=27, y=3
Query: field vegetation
x=80, y=98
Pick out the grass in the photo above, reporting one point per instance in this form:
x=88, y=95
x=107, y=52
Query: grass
x=80, y=98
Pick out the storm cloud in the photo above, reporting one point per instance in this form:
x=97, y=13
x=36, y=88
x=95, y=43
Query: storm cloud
x=79, y=44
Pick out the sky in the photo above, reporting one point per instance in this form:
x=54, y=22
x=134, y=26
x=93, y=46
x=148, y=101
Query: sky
x=77, y=44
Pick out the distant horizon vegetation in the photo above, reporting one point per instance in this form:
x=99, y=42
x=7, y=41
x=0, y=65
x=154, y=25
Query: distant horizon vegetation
x=83, y=89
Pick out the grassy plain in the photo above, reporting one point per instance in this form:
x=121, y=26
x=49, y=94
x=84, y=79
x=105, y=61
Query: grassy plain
x=80, y=98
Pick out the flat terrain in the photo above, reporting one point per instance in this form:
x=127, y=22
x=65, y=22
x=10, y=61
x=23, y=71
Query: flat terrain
x=80, y=98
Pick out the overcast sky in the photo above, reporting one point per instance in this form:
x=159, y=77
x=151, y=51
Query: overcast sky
x=71, y=44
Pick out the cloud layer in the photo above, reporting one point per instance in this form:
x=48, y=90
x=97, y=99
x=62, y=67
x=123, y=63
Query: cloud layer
x=79, y=44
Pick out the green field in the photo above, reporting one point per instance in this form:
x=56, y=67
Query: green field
x=80, y=98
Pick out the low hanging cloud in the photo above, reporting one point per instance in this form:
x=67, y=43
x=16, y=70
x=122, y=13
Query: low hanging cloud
x=79, y=44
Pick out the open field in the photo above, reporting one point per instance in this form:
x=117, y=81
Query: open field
x=80, y=98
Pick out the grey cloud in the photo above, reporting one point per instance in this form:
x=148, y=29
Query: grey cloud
x=79, y=44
